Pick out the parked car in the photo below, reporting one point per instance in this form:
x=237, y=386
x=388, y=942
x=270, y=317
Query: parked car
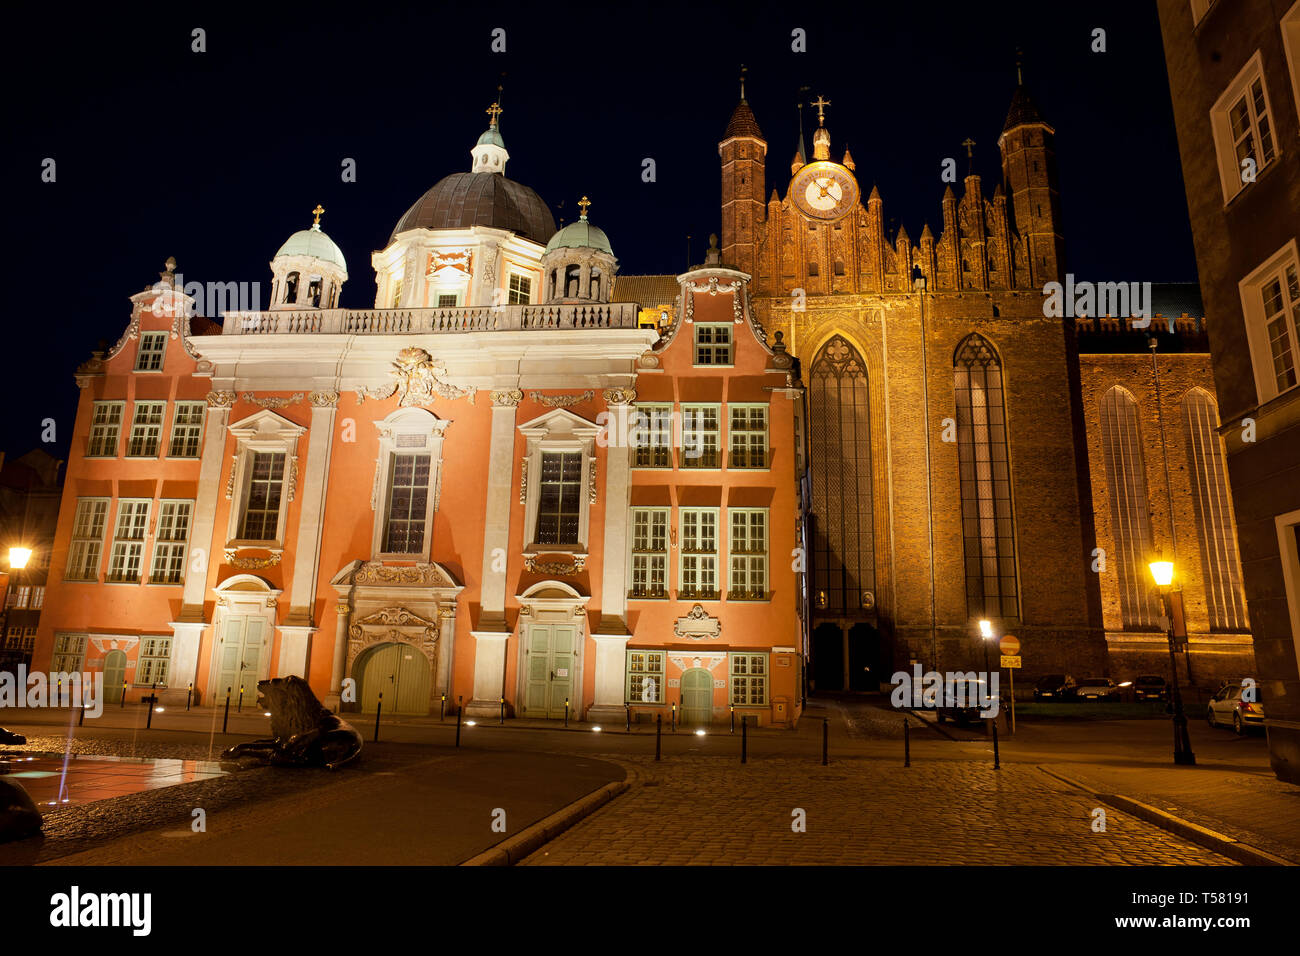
x=1054, y=687
x=968, y=712
x=1227, y=708
x=1150, y=687
x=1097, y=688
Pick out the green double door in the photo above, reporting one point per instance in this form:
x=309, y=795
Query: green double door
x=401, y=673
x=551, y=654
x=239, y=658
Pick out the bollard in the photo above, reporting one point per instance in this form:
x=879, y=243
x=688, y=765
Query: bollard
x=239, y=707
x=659, y=733
x=744, y=738
x=628, y=708
x=122, y=703
x=442, y=708
x=907, y=743
x=674, y=717
x=148, y=714
x=81, y=721
x=189, y=693
x=566, y=712
x=226, y=718
x=826, y=740
x=459, y=709
x=733, y=719
x=996, y=763
x=378, y=709
x=503, y=711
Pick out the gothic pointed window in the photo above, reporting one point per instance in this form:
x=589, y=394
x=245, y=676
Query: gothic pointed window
x=988, y=524
x=843, y=553
x=1130, y=519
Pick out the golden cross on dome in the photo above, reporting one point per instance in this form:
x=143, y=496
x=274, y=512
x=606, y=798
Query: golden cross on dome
x=317, y=213
x=494, y=111
x=821, y=103
x=583, y=203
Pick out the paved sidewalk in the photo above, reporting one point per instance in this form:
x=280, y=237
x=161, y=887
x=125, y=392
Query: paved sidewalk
x=704, y=810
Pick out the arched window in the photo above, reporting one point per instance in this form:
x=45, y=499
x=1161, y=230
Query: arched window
x=843, y=549
x=291, y=287
x=1130, y=518
x=988, y=526
x=1219, y=558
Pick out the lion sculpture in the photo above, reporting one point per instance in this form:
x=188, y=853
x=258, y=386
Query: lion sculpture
x=304, y=733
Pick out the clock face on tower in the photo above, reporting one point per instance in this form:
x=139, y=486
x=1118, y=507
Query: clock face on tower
x=824, y=191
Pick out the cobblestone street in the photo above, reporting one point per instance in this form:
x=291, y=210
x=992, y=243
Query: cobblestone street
x=706, y=810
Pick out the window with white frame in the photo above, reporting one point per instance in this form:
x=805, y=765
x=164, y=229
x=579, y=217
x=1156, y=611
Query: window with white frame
x=105, y=427
x=520, y=291
x=14, y=636
x=652, y=436
x=187, y=430
x=149, y=357
x=559, y=498
x=701, y=436
x=747, y=436
x=649, y=552
x=170, y=539
x=128, y=540
x=748, y=679
x=69, y=652
x=38, y=597
x=448, y=300
x=559, y=482
x=18, y=596
x=406, y=483
x=408, y=502
x=87, y=545
x=747, y=553
x=29, y=639
x=263, y=479
x=698, y=577
x=265, y=491
x=146, y=430
x=1242, y=124
x=645, y=677
x=712, y=343
x=1270, y=301
x=155, y=654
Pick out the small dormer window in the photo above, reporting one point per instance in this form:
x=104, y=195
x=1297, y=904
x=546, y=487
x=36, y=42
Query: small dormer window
x=291, y=287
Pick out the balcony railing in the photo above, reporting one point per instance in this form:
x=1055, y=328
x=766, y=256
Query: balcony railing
x=506, y=318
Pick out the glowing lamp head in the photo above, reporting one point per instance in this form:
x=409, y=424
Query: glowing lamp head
x=986, y=629
x=1162, y=572
x=18, y=558
x=700, y=733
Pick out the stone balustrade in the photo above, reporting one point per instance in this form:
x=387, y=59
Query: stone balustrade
x=507, y=318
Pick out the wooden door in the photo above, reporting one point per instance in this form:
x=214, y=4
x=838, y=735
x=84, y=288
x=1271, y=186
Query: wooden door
x=114, y=674
x=551, y=669
x=697, y=697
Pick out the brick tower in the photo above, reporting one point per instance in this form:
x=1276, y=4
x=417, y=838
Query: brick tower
x=1029, y=175
x=743, y=151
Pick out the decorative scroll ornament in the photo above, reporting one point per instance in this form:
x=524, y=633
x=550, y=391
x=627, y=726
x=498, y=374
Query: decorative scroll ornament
x=507, y=398
x=293, y=476
x=546, y=564
x=648, y=360
x=591, y=482
x=697, y=625
x=560, y=401
x=251, y=564
x=523, y=480
x=271, y=401
x=711, y=660
x=230, y=482
x=323, y=399
x=391, y=623
x=619, y=396
x=423, y=575
x=220, y=399
x=417, y=381
x=753, y=319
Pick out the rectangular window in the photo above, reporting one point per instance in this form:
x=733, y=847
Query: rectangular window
x=87, y=546
x=38, y=597
x=747, y=436
x=397, y=294
x=699, y=555
x=149, y=358
x=645, y=677
x=169, y=547
x=29, y=639
x=187, y=430
x=712, y=344
x=1270, y=300
x=521, y=288
x=748, y=680
x=155, y=653
x=701, y=436
x=653, y=439
x=128, y=540
x=21, y=595
x=408, y=502
x=649, y=552
x=146, y=430
x=69, y=652
x=265, y=485
x=447, y=300
x=1241, y=121
x=105, y=426
x=747, y=552
x=560, y=502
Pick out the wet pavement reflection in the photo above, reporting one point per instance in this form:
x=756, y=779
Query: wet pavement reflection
x=58, y=780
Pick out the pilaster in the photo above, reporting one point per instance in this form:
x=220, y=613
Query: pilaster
x=205, y=507
x=306, y=567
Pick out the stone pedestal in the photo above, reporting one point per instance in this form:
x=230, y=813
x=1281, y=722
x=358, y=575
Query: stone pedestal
x=295, y=646
x=489, y=673
x=184, y=661
x=611, y=671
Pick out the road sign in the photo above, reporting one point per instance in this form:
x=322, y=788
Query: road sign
x=1010, y=660
x=1009, y=645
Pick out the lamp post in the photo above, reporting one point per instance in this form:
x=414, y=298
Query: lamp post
x=1163, y=574
x=986, y=635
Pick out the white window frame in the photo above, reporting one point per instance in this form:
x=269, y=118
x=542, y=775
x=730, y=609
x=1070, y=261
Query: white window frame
x=553, y=433
x=201, y=408
x=69, y=649
x=152, y=665
x=398, y=434
x=689, y=420
x=752, y=559
x=1199, y=9
x=84, y=544
x=683, y=554
x=141, y=353
x=147, y=429
x=135, y=512
x=268, y=433
x=510, y=293
x=733, y=433
x=1225, y=145
x=748, y=673
x=643, y=663
x=166, y=548
x=648, y=554
x=651, y=436
x=99, y=429
x=38, y=597
x=1251, y=290
x=1289, y=557
x=731, y=345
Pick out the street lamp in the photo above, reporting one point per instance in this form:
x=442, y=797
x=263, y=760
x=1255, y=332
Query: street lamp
x=986, y=633
x=1162, y=572
x=18, y=558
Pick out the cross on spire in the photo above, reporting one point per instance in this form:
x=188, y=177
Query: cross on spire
x=743, y=70
x=317, y=213
x=821, y=103
x=970, y=155
x=583, y=203
x=494, y=111
x=1020, y=80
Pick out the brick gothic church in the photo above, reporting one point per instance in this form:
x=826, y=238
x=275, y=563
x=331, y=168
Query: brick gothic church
x=857, y=448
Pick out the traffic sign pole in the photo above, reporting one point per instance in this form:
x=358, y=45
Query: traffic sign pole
x=1010, y=648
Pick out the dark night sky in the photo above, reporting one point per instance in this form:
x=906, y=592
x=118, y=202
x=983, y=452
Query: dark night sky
x=216, y=158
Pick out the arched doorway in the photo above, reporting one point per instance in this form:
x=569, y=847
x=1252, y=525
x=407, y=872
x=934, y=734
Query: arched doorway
x=697, y=697
x=397, y=670
x=828, y=658
x=114, y=675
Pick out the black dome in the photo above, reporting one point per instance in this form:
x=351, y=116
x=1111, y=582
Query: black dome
x=480, y=199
